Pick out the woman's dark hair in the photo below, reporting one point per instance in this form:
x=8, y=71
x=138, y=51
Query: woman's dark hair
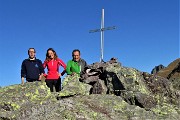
x=47, y=56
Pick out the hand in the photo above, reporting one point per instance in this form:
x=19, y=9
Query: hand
x=59, y=74
x=40, y=76
x=22, y=80
x=73, y=73
x=45, y=75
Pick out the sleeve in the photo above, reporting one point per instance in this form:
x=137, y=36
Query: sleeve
x=23, y=69
x=68, y=68
x=44, y=65
x=62, y=64
x=85, y=63
x=41, y=68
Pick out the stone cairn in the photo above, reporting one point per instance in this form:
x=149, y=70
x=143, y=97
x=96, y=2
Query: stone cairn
x=95, y=75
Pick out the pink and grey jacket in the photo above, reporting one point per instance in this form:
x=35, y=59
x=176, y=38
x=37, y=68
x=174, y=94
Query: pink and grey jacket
x=53, y=68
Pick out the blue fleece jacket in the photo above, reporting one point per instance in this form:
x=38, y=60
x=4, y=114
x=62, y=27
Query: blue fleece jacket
x=31, y=69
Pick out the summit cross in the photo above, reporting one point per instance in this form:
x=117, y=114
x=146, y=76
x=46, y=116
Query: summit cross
x=102, y=29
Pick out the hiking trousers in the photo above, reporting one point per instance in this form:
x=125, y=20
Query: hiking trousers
x=51, y=83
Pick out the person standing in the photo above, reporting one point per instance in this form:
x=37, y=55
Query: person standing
x=52, y=62
x=77, y=64
x=31, y=68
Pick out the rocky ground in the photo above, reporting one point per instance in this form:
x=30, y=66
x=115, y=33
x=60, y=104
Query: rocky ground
x=106, y=91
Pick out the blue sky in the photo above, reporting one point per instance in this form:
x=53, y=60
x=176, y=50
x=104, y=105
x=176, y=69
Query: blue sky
x=147, y=32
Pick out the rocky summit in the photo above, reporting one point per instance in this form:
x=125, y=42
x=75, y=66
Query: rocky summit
x=106, y=91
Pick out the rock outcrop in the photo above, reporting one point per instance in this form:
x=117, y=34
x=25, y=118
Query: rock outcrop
x=107, y=91
x=156, y=69
x=23, y=101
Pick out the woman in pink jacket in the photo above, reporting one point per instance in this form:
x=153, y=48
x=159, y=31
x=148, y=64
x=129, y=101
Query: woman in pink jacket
x=52, y=62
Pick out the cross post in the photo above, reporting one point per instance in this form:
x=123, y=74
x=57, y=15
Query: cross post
x=102, y=29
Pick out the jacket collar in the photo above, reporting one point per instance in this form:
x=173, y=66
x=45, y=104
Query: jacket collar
x=77, y=61
x=34, y=59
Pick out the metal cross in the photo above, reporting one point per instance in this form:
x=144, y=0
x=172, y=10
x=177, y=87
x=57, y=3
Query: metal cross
x=102, y=29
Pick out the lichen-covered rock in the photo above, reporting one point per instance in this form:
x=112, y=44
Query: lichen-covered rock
x=165, y=110
x=135, y=87
x=104, y=107
x=72, y=86
x=123, y=78
x=91, y=107
x=128, y=83
x=99, y=87
x=131, y=84
x=16, y=98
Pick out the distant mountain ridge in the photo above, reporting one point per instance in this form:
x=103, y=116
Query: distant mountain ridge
x=168, y=70
x=156, y=69
x=172, y=72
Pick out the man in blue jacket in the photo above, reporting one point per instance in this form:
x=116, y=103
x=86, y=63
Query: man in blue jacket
x=31, y=68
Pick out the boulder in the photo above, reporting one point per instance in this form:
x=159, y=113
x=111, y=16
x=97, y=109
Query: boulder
x=16, y=100
x=140, y=88
x=72, y=86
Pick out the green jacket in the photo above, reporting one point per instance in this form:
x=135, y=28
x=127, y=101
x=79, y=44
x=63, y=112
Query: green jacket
x=77, y=67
